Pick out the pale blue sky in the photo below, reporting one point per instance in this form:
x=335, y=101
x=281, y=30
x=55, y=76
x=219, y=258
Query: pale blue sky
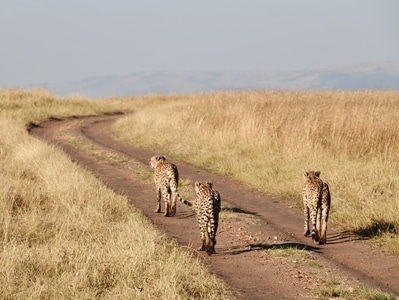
x=54, y=41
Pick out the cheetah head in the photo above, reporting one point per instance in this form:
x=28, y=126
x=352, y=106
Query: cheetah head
x=198, y=185
x=310, y=175
x=155, y=160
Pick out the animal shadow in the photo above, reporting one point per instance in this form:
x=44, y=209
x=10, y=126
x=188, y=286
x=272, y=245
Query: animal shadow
x=239, y=249
x=239, y=211
x=343, y=237
x=378, y=227
x=186, y=214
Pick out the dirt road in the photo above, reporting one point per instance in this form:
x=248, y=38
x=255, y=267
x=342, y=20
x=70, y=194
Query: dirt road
x=255, y=224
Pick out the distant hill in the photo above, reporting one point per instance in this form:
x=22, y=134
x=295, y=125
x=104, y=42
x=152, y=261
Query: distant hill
x=383, y=76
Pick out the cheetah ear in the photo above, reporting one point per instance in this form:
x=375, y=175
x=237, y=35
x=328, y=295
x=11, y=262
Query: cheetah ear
x=197, y=184
x=161, y=157
x=317, y=173
x=306, y=174
x=209, y=183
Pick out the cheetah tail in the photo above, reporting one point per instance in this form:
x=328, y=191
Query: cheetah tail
x=186, y=202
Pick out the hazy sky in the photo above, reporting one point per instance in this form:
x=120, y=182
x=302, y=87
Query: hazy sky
x=47, y=41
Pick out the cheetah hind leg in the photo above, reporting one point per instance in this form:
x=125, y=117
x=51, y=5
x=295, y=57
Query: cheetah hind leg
x=318, y=225
x=314, y=218
x=167, y=209
x=315, y=235
x=209, y=244
x=211, y=247
x=158, y=209
x=203, y=243
x=203, y=246
x=173, y=205
x=210, y=250
x=306, y=231
x=323, y=240
x=323, y=231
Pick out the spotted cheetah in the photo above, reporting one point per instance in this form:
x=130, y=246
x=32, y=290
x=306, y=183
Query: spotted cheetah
x=207, y=208
x=317, y=201
x=166, y=178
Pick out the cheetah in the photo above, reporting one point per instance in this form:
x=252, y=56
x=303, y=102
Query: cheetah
x=316, y=201
x=207, y=208
x=166, y=179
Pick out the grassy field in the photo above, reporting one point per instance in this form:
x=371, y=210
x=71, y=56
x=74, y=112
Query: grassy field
x=64, y=235
x=58, y=222
x=266, y=140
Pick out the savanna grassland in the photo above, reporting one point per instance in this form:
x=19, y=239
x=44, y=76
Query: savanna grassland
x=267, y=139
x=64, y=234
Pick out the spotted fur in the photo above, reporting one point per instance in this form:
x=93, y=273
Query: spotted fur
x=207, y=208
x=166, y=179
x=316, y=205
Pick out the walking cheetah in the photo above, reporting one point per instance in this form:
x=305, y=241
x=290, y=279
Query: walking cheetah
x=166, y=178
x=207, y=208
x=317, y=201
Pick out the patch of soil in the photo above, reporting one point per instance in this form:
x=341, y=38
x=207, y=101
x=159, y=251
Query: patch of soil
x=252, y=226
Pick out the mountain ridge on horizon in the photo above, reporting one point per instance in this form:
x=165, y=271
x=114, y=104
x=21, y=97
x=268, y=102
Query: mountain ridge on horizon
x=367, y=76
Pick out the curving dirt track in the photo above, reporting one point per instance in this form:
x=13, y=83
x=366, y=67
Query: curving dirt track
x=261, y=223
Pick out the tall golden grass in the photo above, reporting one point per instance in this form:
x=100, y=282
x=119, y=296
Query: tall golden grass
x=64, y=235
x=267, y=139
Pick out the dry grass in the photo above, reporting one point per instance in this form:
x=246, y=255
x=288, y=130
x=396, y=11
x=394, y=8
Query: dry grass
x=37, y=105
x=268, y=139
x=65, y=235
